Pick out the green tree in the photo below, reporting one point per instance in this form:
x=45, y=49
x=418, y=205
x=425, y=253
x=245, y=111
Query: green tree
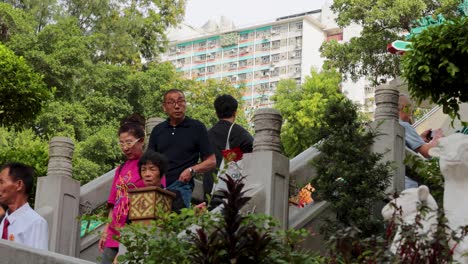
x=22, y=91
x=349, y=175
x=63, y=119
x=436, y=67
x=303, y=108
x=98, y=154
x=382, y=22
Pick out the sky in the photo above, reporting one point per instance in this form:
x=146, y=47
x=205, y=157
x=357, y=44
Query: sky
x=245, y=12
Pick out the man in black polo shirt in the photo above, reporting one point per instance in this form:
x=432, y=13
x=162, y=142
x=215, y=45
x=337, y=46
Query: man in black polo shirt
x=184, y=141
x=226, y=110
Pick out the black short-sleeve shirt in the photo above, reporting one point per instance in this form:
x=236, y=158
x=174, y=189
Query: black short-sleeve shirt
x=183, y=145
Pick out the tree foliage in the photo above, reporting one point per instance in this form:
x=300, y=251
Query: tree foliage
x=303, y=108
x=382, y=22
x=22, y=91
x=349, y=175
x=436, y=68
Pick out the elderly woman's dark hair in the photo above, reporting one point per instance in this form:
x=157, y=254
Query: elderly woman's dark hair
x=134, y=125
x=155, y=158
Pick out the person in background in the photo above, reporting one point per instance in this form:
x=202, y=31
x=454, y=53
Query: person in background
x=184, y=142
x=418, y=143
x=21, y=223
x=131, y=141
x=226, y=110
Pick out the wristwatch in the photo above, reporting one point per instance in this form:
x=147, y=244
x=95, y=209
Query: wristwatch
x=192, y=171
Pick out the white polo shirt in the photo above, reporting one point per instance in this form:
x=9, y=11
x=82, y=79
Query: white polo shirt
x=27, y=227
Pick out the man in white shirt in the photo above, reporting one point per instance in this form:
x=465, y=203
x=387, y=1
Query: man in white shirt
x=21, y=223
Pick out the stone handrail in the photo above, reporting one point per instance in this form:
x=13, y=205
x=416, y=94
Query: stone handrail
x=95, y=193
x=11, y=252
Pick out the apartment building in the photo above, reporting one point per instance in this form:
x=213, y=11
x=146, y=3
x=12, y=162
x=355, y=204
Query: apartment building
x=256, y=56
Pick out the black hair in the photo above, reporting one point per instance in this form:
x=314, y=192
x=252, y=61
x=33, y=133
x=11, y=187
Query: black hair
x=134, y=125
x=19, y=171
x=172, y=91
x=225, y=106
x=155, y=158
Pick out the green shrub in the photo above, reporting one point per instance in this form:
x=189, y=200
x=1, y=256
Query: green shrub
x=226, y=237
x=349, y=175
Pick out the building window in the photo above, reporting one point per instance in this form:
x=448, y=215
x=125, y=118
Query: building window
x=276, y=44
x=265, y=45
x=243, y=63
x=265, y=59
x=299, y=26
x=242, y=76
x=202, y=57
x=232, y=66
x=210, y=68
x=337, y=37
x=244, y=36
x=275, y=57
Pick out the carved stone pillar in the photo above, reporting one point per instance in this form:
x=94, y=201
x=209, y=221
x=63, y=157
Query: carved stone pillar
x=392, y=140
x=58, y=198
x=267, y=170
x=151, y=123
x=60, y=157
x=386, y=101
x=267, y=123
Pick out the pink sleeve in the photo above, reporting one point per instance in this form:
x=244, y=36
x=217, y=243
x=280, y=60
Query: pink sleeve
x=163, y=181
x=113, y=190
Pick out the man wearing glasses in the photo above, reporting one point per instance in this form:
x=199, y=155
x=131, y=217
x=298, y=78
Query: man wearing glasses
x=184, y=142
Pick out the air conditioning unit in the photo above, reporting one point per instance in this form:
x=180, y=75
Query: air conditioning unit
x=178, y=51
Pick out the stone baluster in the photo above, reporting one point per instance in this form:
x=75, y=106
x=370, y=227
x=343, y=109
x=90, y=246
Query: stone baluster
x=392, y=140
x=58, y=197
x=266, y=169
x=267, y=123
x=151, y=123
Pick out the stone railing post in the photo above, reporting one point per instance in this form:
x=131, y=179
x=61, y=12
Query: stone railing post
x=58, y=196
x=150, y=124
x=266, y=169
x=392, y=140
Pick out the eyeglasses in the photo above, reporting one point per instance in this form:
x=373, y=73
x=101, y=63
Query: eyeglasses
x=174, y=103
x=128, y=144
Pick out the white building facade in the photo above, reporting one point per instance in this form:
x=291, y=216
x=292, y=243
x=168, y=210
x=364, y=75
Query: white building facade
x=259, y=56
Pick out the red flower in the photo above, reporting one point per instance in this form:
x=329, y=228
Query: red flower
x=234, y=154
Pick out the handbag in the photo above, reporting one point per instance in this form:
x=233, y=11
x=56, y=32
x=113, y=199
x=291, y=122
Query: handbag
x=230, y=165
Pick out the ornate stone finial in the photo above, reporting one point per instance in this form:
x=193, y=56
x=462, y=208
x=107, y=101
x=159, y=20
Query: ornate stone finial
x=151, y=123
x=267, y=122
x=386, y=101
x=60, y=157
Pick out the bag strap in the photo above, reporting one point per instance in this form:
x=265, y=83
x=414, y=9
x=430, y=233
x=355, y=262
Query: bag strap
x=227, y=139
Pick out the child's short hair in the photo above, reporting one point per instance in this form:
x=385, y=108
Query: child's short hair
x=155, y=158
